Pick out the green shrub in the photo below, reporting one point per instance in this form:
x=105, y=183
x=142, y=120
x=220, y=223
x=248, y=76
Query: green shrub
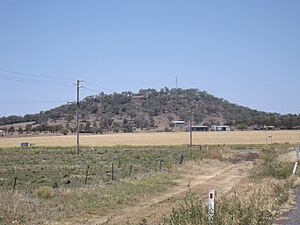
x=271, y=167
x=281, y=192
x=44, y=192
x=192, y=212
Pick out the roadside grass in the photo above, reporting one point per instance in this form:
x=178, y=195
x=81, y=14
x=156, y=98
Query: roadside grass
x=269, y=165
x=259, y=207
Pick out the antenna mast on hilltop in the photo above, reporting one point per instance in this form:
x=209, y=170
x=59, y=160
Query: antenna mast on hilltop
x=176, y=82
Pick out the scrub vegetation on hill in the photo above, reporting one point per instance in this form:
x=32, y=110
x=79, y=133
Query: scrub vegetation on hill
x=148, y=109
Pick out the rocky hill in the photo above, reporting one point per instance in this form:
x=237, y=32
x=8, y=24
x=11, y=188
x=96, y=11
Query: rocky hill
x=148, y=109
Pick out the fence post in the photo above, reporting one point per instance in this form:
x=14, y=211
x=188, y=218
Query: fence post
x=160, y=165
x=86, y=174
x=130, y=170
x=181, y=158
x=112, y=171
x=15, y=183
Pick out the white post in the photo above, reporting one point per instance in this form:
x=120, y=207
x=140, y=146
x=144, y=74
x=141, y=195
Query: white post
x=295, y=168
x=211, y=205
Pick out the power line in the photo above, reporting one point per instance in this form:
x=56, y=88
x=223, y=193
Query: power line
x=91, y=89
x=46, y=80
x=33, y=81
x=97, y=86
x=36, y=75
x=29, y=101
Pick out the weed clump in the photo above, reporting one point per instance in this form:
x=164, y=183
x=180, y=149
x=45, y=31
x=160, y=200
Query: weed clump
x=272, y=167
x=44, y=192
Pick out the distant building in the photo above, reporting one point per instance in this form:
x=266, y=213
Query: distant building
x=264, y=127
x=2, y=133
x=178, y=123
x=198, y=128
x=221, y=128
x=268, y=127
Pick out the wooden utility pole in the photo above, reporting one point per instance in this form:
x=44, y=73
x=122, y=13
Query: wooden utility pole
x=191, y=130
x=77, y=117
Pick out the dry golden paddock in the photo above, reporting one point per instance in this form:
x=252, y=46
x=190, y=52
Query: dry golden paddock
x=176, y=138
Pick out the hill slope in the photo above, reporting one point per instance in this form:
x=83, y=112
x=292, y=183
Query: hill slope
x=152, y=110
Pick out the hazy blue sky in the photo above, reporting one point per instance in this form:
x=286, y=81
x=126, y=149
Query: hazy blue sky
x=245, y=51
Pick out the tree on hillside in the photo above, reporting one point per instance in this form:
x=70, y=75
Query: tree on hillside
x=116, y=127
x=140, y=121
x=94, y=128
x=127, y=126
x=70, y=117
x=132, y=113
x=87, y=127
x=81, y=128
x=106, y=121
x=28, y=128
x=170, y=119
x=198, y=117
x=11, y=130
x=20, y=130
x=64, y=131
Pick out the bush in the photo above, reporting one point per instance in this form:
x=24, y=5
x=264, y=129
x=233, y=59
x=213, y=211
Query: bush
x=271, y=167
x=192, y=212
x=281, y=192
x=44, y=192
x=64, y=131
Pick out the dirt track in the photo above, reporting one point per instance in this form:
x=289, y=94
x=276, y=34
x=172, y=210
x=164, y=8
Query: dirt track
x=198, y=178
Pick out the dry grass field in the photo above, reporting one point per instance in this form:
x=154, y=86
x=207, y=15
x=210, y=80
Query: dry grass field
x=54, y=186
x=178, y=138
